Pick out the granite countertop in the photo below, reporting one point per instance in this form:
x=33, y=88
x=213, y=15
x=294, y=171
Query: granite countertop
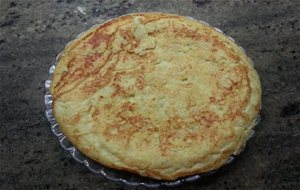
x=32, y=33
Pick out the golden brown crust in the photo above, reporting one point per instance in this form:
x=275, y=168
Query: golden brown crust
x=157, y=94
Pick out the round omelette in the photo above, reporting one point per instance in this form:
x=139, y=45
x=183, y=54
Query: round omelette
x=161, y=95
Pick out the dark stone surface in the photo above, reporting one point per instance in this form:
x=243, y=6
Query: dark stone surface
x=32, y=33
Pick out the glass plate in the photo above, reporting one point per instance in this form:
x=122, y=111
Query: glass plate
x=124, y=177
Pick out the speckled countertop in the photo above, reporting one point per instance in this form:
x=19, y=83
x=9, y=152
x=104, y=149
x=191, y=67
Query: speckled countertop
x=32, y=33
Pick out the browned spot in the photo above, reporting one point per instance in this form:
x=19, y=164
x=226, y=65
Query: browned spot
x=77, y=72
x=90, y=59
x=206, y=118
x=73, y=120
x=146, y=141
x=71, y=63
x=152, y=130
x=159, y=18
x=169, y=133
x=87, y=150
x=218, y=44
x=213, y=135
x=128, y=106
x=140, y=82
x=107, y=106
x=138, y=74
x=125, y=127
x=119, y=91
x=214, y=50
x=212, y=57
x=190, y=105
x=129, y=37
x=212, y=99
x=231, y=89
x=164, y=145
x=185, y=32
x=235, y=111
x=98, y=38
x=188, y=84
x=118, y=76
x=100, y=81
x=96, y=112
x=257, y=108
x=138, y=121
x=232, y=81
x=207, y=38
x=234, y=56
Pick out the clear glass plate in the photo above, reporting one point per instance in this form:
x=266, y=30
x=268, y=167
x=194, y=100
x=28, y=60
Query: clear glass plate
x=124, y=177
